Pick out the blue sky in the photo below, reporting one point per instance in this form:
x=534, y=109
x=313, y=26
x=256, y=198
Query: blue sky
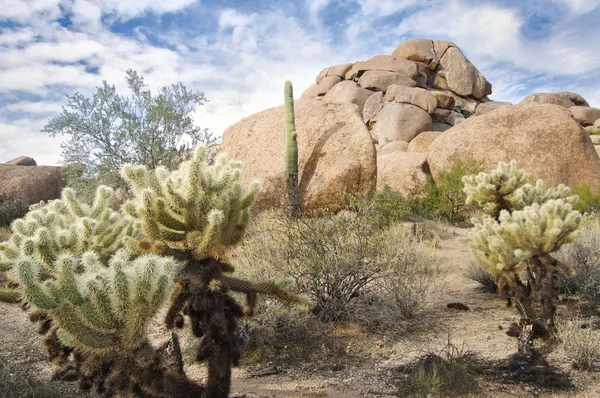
x=239, y=53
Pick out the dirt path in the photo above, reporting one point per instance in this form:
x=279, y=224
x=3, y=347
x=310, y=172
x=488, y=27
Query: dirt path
x=24, y=372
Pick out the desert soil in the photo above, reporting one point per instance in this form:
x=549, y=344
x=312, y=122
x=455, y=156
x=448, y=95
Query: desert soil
x=24, y=372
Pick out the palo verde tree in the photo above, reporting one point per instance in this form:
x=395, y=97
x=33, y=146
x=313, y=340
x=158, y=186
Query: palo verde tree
x=108, y=130
x=524, y=225
x=94, y=276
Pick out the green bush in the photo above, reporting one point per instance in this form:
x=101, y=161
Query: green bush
x=11, y=208
x=589, y=198
x=444, y=199
x=390, y=206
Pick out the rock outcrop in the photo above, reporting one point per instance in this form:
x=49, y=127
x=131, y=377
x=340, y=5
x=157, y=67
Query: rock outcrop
x=31, y=183
x=544, y=139
x=335, y=153
x=398, y=117
x=23, y=161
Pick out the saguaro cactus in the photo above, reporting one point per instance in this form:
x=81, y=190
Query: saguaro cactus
x=527, y=223
x=291, y=152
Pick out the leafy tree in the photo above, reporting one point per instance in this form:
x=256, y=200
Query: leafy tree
x=108, y=130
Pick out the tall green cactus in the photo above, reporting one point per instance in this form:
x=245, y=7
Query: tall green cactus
x=514, y=241
x=291, y=152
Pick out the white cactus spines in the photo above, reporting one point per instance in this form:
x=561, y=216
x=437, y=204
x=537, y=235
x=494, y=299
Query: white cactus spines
x=199, y=208
x=102, y=310
x=67, y=225
x=509, y=188
x=492, y=191
x=537, y=230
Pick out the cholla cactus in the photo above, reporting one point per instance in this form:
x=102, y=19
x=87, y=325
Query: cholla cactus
x=66, y=225
x=95, y=276
x=495, y=191
x=99, y=309
x=92, y=296
x=528, y=223
x=196, y=209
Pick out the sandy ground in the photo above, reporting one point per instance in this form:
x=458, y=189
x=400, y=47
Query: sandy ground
x=24, y=373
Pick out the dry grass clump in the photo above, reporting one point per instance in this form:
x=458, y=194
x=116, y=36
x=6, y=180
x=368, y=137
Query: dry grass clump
x=580, y=341
x=583, y=255
x=449, y=372
x=486, y=280
x=290, y=337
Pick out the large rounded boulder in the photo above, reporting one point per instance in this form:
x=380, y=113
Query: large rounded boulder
x=31, y=183
x=335, y=153
x=544, y=139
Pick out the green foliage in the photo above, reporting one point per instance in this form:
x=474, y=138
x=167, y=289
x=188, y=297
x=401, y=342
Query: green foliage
x=291, y=152
x=391, y=207
x=197, y=208
x=108, y=130
x=444, y=199
x=589, y=198
x=464, y=111
x=11, y=208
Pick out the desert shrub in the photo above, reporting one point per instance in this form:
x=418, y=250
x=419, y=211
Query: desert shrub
x=486, y=280
x=580, y=341
x=444, y=199
x=406, y=291
x=390, y=206
x=11, y=208
x=589, y=198
x=583, y=255
x=351, y=268
x=449, y=372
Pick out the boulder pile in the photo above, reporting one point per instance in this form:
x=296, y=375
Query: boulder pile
x=404, y=116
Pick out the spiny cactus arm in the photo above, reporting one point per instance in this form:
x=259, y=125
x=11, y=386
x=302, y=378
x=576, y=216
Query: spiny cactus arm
x=540, y=229
x=494, y=192
x=490, y=249
x=279, y=289
x=529, y=194
x=153, y=276
x=70, y=320
x=26, y=272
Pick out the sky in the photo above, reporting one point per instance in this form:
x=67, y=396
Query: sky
x=240, y=53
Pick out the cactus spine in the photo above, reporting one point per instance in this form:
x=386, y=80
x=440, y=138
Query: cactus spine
x=524, y=225
x=291, y=152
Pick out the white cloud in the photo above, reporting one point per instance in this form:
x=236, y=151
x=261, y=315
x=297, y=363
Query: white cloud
x=242, y=64
x=382, y=8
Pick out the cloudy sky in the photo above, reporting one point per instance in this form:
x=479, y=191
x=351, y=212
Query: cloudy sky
x=239, y=53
